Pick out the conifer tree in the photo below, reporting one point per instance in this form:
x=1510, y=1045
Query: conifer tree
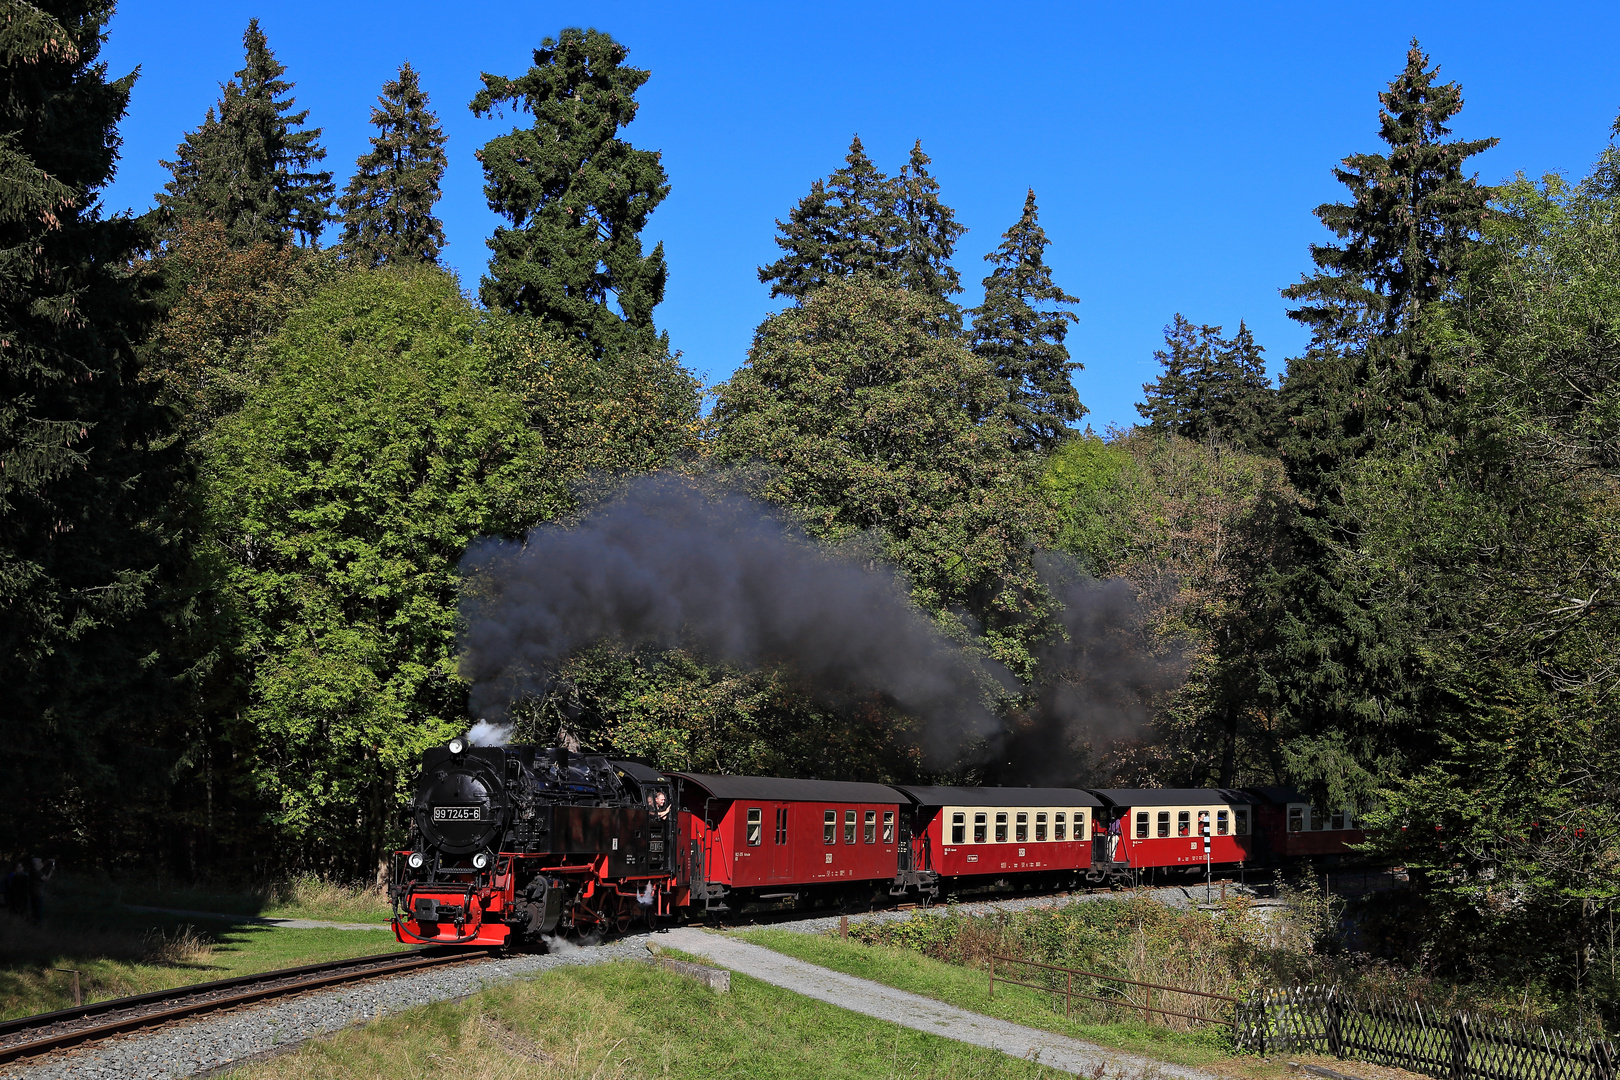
x=893, y=230
x=388, y=205
x=1025, y=343
x=577, y=195
x=248, y=166
x=1211, y=388
x=84, y=480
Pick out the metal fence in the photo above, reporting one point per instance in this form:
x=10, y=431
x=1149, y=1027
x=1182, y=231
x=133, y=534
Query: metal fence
x=1121, y=992
x=1408, y=1036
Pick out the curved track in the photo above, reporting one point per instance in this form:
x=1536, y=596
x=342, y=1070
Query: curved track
x=30, y=1036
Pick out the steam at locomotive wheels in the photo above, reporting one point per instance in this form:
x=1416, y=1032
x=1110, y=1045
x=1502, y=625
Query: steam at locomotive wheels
x=512, y=844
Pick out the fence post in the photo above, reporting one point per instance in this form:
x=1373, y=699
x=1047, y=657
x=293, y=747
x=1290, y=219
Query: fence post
x=1605, y=1060
x=1334, y=1039
x=992, y=976
x=1459, y=1047
x=1068, y=993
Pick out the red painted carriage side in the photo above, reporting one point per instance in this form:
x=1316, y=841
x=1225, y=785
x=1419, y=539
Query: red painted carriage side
x=1164, y=827
x=1294, y=829
x=1001, y=830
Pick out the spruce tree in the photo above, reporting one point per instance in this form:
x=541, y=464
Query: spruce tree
x=388, y=205
x=1211, y=388
x=893, y=230
x=86, y=483
x=576, y=194
x=1025, y=343
x=247, y=166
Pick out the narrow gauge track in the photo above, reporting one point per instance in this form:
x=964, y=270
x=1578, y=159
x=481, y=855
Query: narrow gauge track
x=30, y=1036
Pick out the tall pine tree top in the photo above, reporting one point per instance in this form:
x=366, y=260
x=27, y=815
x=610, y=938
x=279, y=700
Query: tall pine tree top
x=1211, y=387
x=1411, y=217
x=859, y=221
x=1025, y=343
x=388, y=205
x=576, y=194
x=247, y=166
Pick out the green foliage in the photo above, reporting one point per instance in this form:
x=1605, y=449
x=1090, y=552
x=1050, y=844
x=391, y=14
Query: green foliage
x=247, y=167
x=86, y=549
x=388, y=205
x=577, y=196
x=1025, y=343
x=1211, y=388
x=343, y=496
x=875, y=420
x=858, y=222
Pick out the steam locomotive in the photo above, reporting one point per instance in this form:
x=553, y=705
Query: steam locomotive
x=511, y=844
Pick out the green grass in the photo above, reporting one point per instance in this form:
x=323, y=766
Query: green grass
x=305, y=897
x=968, y=988
x=623, y=1020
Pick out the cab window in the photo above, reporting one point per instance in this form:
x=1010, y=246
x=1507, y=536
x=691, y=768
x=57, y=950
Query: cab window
x=888, y=826
x=829, y=827
x=1222, y=822
x=1164, y=823
x=958, y=828
x=1021, y=829
x=1060, y=827
x=869, y=833
x=849, y=826
x=1040, y=828
x=978, y=829
x=754, y=827
x=1142, y=825
x=1001, y=828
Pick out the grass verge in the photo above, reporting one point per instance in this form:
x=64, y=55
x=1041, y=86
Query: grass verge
x=968, y=988
x=623, y=1020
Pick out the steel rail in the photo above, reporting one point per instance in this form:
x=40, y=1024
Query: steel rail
x=127, y=1014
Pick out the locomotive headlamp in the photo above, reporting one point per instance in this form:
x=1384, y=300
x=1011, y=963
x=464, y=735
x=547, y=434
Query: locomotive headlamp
x=458, y=745
x=415, y=860
x=481, y=860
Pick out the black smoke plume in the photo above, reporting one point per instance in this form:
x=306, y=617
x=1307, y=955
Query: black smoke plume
x=664, y=565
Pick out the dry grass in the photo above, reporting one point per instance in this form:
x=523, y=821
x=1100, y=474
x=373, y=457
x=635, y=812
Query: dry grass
x=311, y=897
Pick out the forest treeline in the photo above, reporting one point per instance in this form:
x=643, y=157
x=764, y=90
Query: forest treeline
x=239, y=469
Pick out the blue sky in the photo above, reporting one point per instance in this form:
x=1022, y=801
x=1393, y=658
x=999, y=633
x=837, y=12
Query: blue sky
x=1177, y=150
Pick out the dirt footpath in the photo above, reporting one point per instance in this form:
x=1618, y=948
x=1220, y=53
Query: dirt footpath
x=921, y=1013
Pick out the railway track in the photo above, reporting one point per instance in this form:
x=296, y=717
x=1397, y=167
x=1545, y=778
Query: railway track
x=30, y=1036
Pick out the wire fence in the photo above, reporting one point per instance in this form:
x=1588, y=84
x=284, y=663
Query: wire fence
x=1114, y=990
x=1407, y=1036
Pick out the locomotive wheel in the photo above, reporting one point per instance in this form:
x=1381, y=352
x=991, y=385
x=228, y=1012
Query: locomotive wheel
x=627, y=914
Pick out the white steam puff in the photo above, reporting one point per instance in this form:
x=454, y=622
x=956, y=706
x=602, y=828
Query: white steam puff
x=485, y=733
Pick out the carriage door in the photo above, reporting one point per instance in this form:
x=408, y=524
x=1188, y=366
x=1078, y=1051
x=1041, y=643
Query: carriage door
x=781, y=842
x=905, y=863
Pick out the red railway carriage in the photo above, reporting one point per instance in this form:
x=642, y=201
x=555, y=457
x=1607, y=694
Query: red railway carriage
x=963, y=832
x=1294, y=829
x=1164, y=828
x=761, y=837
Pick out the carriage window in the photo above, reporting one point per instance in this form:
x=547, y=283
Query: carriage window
x=1183, y=822
x=1203, y=823
x=781, y=825
x=1079, y=825
x=1241, y=820
x=1164, y=823
x=1001, y=828
x=871, y=827
x=1338, y=820
x=1316, y=820
x=1222, y=825
x=958, y=828
x=754, y=827
x=1060, y=827
x=888, y=826
x=978, y=828
x=829, y=827
x=1296, y=819
x=1021, y=829
x=1142, y=825
x=849, y=826
x=1040, y=827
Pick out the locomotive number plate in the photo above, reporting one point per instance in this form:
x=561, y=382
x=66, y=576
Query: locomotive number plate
x=458, y=813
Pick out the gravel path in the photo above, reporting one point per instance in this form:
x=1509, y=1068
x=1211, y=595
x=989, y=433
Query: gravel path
x=921, y=1013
